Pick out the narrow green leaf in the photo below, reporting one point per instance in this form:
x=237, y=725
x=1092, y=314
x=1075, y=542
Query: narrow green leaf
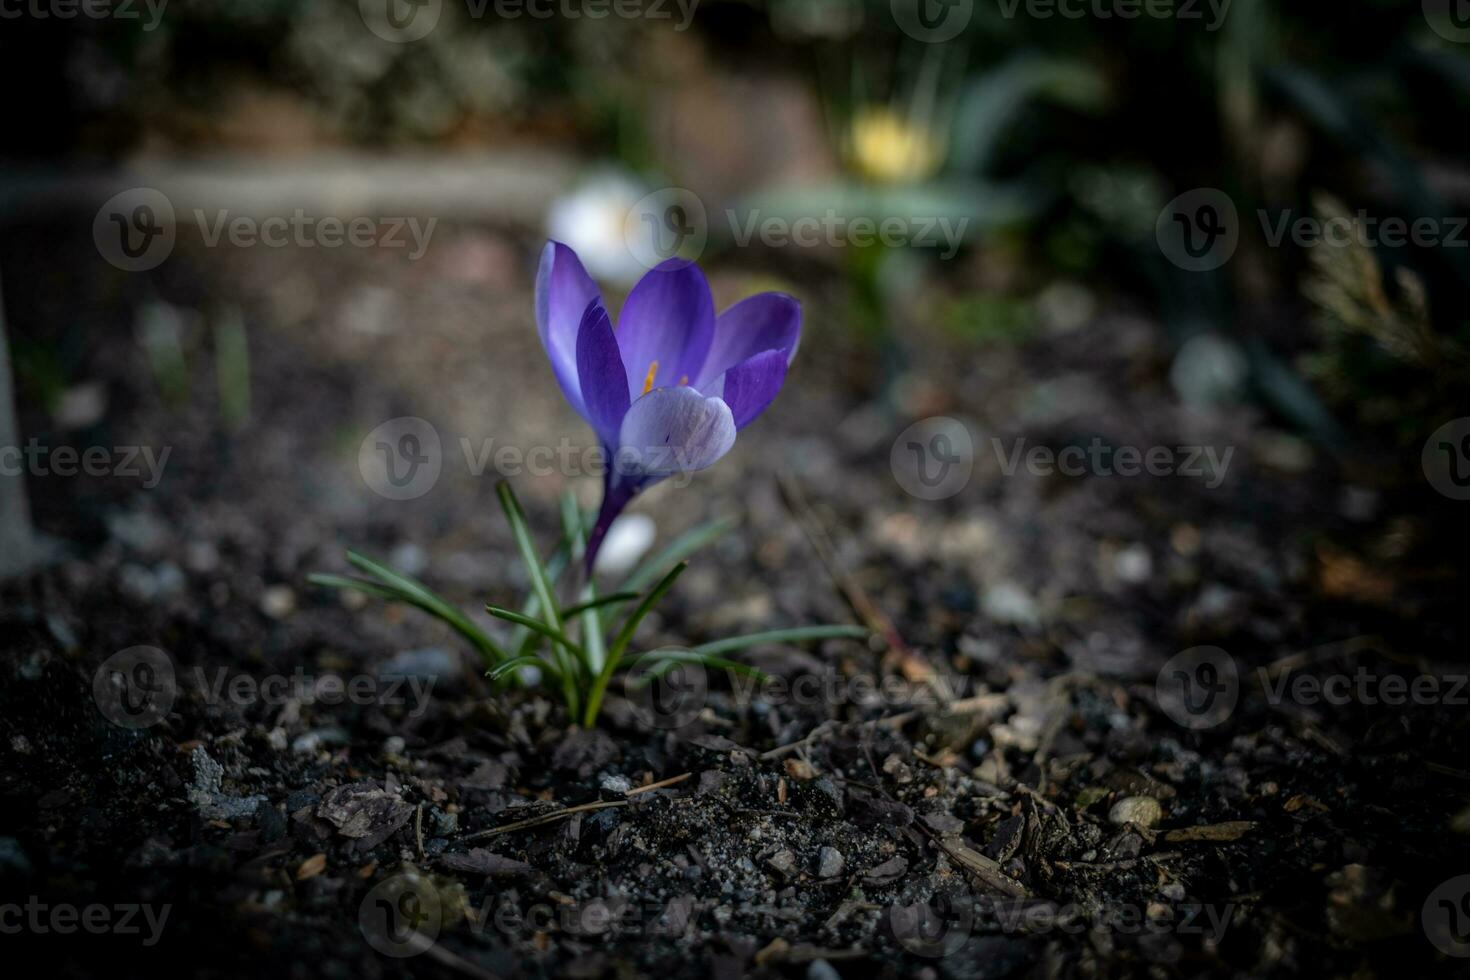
x=535, y=625
x=537, y=572
x=410, y=590
x=517, y=663
x=799, y=634
x=679, y=549
x=625, y=635
x=357, y=585
x=598, y=603
x=663, y=664
x=576, y=537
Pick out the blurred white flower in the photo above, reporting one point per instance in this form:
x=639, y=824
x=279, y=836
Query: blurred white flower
x=627, y=541
x=592, y=218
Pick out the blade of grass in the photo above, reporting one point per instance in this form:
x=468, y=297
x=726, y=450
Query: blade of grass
x=535, y=626
x=798, y=634
x=356, y=585
x=517, y=663
x=576, y=534
x=666, y=663
x=537, y=572
x=522, y=640
x=625, y=635
x=415, y=593
x=600, y=602
x=679, y=549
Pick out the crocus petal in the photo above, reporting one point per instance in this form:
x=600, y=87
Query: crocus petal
x=604, y=383
x=672, y=430
x=765, y=321
x=752, y=384
x=669, y=318
x=563, y=292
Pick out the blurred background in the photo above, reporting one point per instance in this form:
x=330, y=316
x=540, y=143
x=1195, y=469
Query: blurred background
x=239, y=238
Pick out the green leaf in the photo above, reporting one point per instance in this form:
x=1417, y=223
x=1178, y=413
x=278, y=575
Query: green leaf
x=517, y=663
x=666, y=661
x=610, y=599
x=625, y=635
x=537, y=572
x=406, y=589
x=535, y=625
x=798, y=634
x=576, y=536
x=357, y=585
x=679, y=549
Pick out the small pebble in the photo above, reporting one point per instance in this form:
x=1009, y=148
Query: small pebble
x=783, y=861
x=278, y=601
x=830, y=862
x=1141, y=811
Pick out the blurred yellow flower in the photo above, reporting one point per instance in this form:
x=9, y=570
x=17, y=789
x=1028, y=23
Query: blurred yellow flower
x=889, y=148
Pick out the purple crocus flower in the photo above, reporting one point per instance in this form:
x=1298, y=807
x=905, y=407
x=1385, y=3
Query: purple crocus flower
x=666, y=391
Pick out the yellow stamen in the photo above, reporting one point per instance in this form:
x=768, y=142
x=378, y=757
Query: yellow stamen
x=684, y=380
x=648, y=381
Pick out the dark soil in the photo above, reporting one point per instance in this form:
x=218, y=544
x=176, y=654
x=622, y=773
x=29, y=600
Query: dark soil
x=792, y=839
